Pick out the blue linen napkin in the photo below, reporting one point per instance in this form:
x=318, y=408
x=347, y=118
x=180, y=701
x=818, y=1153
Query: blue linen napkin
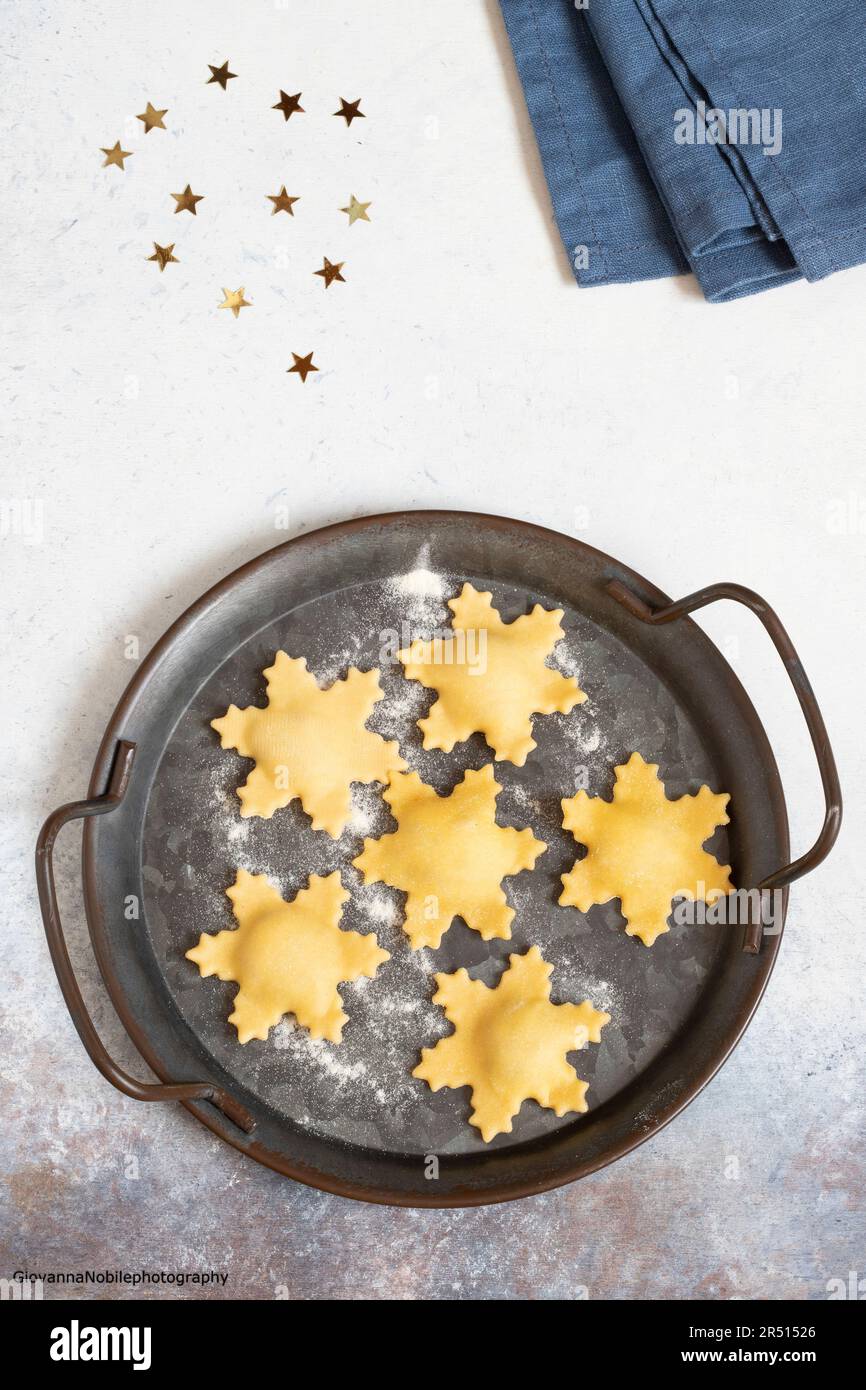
x=726, y=137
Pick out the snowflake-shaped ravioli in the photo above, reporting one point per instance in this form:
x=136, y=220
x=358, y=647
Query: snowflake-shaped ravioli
x=449, y=856
x=491, y=676
x=288, y=958
x=309, y=743
x=510, y=1043
x=644, y=849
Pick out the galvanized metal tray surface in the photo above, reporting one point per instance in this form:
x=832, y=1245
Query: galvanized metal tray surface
x=350, y=1118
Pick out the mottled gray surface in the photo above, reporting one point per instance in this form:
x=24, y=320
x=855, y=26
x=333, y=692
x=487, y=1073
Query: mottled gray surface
x=460, y=367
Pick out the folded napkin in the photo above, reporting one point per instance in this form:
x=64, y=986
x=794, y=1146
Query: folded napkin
x=726, y=137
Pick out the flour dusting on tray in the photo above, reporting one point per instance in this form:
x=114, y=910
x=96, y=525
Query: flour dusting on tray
x=361, y=1091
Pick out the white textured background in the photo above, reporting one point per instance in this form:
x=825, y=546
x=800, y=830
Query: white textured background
x=460, y=366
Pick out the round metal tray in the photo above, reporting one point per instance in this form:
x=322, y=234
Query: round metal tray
x=163, y=834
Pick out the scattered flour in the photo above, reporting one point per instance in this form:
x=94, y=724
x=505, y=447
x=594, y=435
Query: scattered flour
x=414, y=605
x=565, y=659
x=587, y=738
x=603, y=995
x=238, y=830
x=524, y=799
x=381, y=907
x=402, y=709
x=417, y=599
x=364, y=816
x=287, y=1036
x=421, y=583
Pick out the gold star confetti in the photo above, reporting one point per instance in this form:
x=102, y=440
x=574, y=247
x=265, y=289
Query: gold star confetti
x=187, y=200
x=234, y=300
x=115, y=155
x=303, y=365
x=288, y=105
x=330, y=272
x=357, y=211
x=220, y=75
x=163, y=256
x=152, y=118
x=349, y=110
x=283, y=201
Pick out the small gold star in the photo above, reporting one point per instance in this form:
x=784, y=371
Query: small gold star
x=330, y=272
x=187, y=200
x=303, y=365
x=220, y=75
x=349, y=110
x=282, y=201
x=163, y=256
x=115, y=155
x=288, y=105
x=152, y=118
x=357, y=211
x=234, y=300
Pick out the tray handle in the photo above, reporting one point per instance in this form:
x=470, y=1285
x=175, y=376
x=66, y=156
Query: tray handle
x=809, y=705
x=138, y=1090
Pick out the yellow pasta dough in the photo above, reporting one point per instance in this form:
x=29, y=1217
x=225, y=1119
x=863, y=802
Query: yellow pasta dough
x=449, y=856
x=309, y=743
x=287, y=957
x=491, y=676
x=644, y=849
x=509, y=1043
